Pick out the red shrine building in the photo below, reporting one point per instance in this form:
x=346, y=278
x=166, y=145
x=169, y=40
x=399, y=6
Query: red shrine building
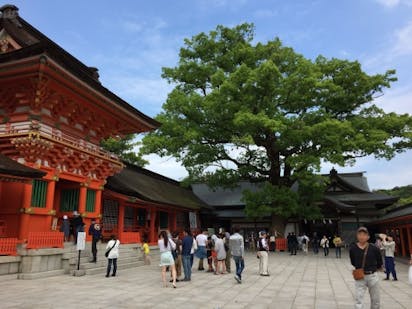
x=53, y=114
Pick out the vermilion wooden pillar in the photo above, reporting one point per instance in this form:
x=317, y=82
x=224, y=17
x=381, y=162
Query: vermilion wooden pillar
x=82, y=199
x=409, y=233
x=98, y=202
x=153, y=234
x=25, y=217
x=51, y=185
x=120, y=221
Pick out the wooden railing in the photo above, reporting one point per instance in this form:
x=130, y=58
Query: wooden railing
x=8, y=246
x=38, y=240
x=130, y=237
x=40, y=129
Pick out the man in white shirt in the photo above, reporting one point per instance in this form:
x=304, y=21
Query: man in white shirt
x=237, y=248
x=201, y=253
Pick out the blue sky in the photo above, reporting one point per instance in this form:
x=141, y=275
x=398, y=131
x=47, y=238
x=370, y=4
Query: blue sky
x=130, y=41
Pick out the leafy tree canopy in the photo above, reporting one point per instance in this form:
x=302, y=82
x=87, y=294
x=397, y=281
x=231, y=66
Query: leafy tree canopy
x=124, y=148
x=262, y=112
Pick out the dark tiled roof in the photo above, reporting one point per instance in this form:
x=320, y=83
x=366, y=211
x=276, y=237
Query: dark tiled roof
x=148, y=186
x=355, y=184
x=10, y=167
x=34, y=43
x=223, y=196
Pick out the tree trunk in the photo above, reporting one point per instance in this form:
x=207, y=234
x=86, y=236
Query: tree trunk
x=278, y=224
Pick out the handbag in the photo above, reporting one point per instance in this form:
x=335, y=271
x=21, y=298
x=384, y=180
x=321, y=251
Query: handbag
x=359, y=274
x=108, y=251
x=174, y=252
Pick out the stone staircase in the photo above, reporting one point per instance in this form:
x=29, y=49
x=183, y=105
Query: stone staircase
x=130, y=256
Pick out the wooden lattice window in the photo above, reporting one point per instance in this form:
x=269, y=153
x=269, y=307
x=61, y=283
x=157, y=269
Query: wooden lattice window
x=110, y=214
x=163, y=220
x=69, y=200
x=90, y=200
x=141, y=217
x=39, y=193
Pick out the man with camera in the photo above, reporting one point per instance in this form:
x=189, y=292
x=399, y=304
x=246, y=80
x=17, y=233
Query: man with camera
x=389, y=246
x=367, y=260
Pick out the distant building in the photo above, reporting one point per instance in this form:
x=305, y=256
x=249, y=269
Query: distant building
x=347, y=203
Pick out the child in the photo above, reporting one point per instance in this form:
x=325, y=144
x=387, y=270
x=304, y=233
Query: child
x=146, y=251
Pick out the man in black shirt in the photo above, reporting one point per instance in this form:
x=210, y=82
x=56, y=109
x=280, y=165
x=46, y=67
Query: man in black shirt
x=373, y=263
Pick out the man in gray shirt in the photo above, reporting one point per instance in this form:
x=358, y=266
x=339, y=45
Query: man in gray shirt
x=237, y=249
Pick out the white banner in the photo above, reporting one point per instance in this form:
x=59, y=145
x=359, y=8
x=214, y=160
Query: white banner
x=81, y=240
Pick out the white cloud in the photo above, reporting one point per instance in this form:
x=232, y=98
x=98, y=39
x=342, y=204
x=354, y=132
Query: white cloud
x=403, y=43
x=144, y=93
x=389, y=3
x=265, y=13
x=394, y=3
x=397, y=100
x=168, y=167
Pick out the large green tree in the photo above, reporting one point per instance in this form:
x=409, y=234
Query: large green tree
x=262, y=112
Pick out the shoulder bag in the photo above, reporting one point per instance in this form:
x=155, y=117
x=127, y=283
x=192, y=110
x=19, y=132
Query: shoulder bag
x=359, y=274
x=108, y=251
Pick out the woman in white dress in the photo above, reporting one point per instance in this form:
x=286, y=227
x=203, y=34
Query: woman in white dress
x=166, y=245
x=221, y=255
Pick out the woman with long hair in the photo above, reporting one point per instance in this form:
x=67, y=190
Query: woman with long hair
x=166, y=245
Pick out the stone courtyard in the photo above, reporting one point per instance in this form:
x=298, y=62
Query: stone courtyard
x=295, y=282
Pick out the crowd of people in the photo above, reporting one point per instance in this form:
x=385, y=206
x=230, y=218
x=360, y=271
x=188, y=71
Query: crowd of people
x=214, y=252
x=177, y=252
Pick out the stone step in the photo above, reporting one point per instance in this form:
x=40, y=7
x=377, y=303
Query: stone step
x=43, y=274
x=120, y=267
x=103, y=263
x=88, y=258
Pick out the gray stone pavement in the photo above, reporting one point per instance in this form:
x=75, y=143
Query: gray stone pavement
x=295, y=282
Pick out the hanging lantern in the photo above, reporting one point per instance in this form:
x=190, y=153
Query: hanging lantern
x=330, y=221
x=324, y=221
x=306, y=221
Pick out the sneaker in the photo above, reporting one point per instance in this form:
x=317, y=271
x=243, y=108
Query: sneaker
x=238, y=279
x=395, y=279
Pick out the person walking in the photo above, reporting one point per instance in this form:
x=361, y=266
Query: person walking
x=389, y=246
x=96, y=233
x=193, y=250
x=367, y=260
x=272, y=243
x=220, y=255
x=78, y=225
x=263, y=249
x=289, y=242
x=293, y=244
x=324, y=243
x=166, y=245
x=305, y=243
x=315, y=243
x=228, y=252
x=237, y=249
x=178, y=257
x=65, y=228
x=187, y=245
x=337, y=242
x=112, y=254
x=201, y=241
